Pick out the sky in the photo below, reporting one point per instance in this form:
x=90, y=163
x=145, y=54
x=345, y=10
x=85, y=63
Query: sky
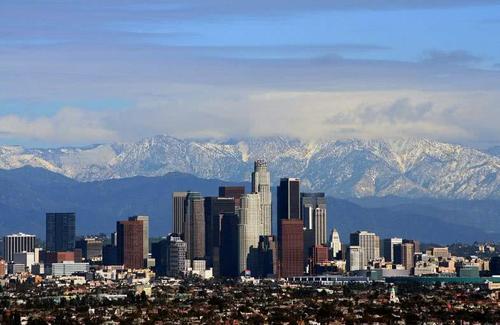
x=85, y=72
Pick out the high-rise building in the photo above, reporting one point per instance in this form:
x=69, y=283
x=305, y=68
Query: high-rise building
x=234, y=192
x=261, y=183
x=178, y=204
x=229, y=262
x=335, y=244
x=407, y=253
x=389, y=244
x=249, y=230
x=130, y=236
x=215, y=207
x=17, y=243
x=60, y=232
x=170, y=256
x=355, y=258
x=91, y=248
x=369, y=242
x=291, y=247
x=319, y=255
x=145, y=234
x=289, y=199
x=194, y=225
x=314, y=215
x=495, y=265
x=267, y=265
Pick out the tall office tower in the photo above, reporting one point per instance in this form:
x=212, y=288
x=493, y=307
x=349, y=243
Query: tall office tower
x=407, y=252
x=261, y=183
x=114, y=239
x=234, y=192
x=369, y=242
x=60, y=232
x=335, y=244
x=289, y=199
x=17, y=243
x=145, y=233
x=178, y=205
x=291, y=248
x=389, y=244
x=249, y=230
x=416, y=244
x=91, y=248
x=130, y=249
x=356, y=258
x=314, y=215
x=319, y=254
x=194, y=225
x=267, y=265
x=229, y=262
x=170, y=256
x=215, y=207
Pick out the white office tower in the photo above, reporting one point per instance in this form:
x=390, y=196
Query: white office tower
x=261, y=183
x=249, y=229
x=355, y=258
x=369, y=242
x=17, y=243
x=335, y=244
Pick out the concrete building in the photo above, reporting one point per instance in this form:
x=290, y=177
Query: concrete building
x=314, y=214
x=355, y=258
x=261, y=183
x=178, y=204
x=68, y=268
x=16, y=243
x=369, y=242
x=335, y=244
x=60, y=232
x=91, y=248
x=194, y=225
x=389, y=244
x=145, y=234
x=249, y=230
x=130, y=252
x=25, y=258
x=170, y=256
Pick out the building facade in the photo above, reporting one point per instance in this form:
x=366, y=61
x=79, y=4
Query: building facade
x=60, y=232
x=145, y=233
x=291, y=248
x=234, y=192
x=194, y=225
x=130, y=236
x=314, y=214
x=261, y=183
x=335, y=244
x=17, y=243
x=389, y=244
x=249, y=230
x=178, y=204
x=369, y=243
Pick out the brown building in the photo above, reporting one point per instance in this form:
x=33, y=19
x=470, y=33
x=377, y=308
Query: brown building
x=234, y=192
x=178, y=203
x=291, y=247
x=407, y=252
x=319, y=255
x=194, y=226
x=3, y=268
x=130, y=243
x=59, y=257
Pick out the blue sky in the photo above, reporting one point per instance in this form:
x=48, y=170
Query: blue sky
x=83, y=72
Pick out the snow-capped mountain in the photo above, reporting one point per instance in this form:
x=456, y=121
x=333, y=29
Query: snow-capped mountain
x=347, y=168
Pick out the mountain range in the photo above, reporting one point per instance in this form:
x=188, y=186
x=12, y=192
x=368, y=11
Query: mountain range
x=28, y=193
x=407, y=168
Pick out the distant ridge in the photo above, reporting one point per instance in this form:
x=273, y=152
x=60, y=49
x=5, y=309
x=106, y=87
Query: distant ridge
x=409, y=168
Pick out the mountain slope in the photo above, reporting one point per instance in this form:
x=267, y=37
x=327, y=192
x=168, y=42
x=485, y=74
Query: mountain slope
x=350, y=168
x=28, y=193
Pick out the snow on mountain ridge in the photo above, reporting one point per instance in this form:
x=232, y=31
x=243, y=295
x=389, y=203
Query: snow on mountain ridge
x=349, y=168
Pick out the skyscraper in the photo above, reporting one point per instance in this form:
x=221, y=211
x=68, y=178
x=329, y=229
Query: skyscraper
x=178, y=204
x=335, y=243
x=130, y=246
x=249, y=230
x=389, y=244
x=369, y=243
x=170, y=256
x=291, y=247
x=229, y=262
x=17, y=243
x=356, y=258
x=314, y=215
x=267, y=257
x=60, y=232
x=194, y=225
x=215, y=207
x=145, y=234
x=234, y=192
x=407, y=253
x=261, y=183
x=289, y=199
